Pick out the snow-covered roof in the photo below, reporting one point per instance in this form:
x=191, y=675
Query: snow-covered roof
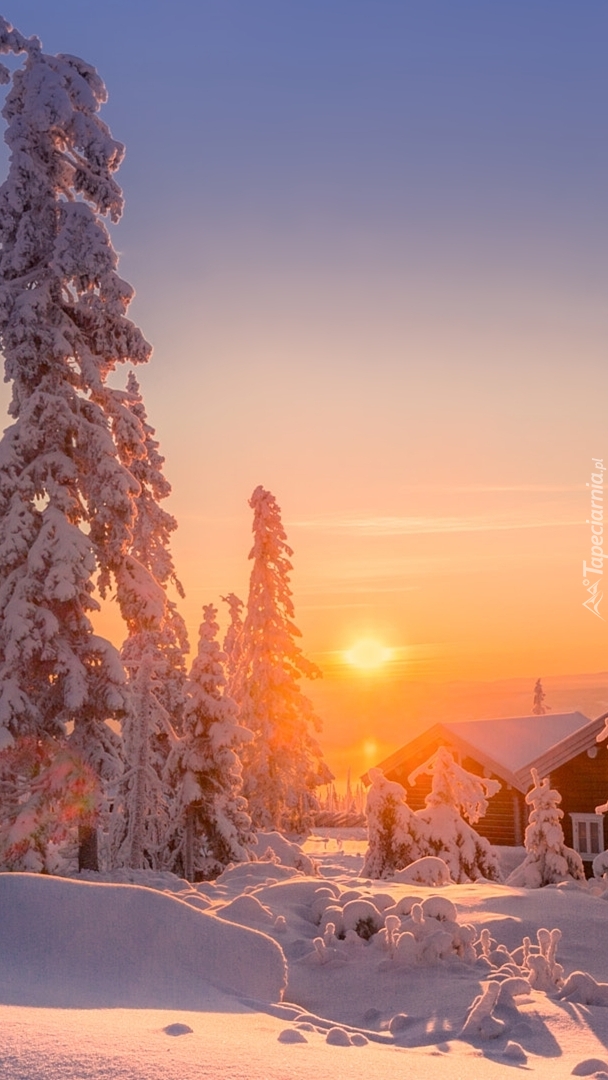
x=516, y=741
x=509, y=746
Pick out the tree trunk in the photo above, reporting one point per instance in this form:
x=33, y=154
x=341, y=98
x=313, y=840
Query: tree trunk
x=88, y=854
x=139, y=793
x=189, y=845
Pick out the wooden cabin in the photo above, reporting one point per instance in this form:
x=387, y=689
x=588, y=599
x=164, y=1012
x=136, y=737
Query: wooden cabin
x=563, y=747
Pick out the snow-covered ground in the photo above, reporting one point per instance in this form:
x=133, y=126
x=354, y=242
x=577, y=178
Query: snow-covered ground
x=244, y=978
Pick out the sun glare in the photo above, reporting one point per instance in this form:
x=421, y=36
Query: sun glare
x=368, y=654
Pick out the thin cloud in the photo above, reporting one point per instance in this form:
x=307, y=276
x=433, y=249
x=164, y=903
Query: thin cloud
x=489, y=488
x=411, y=526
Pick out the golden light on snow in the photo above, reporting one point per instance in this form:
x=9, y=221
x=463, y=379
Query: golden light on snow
x=368, y=654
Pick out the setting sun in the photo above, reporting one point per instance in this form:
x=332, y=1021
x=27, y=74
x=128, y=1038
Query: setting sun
x=368, y=654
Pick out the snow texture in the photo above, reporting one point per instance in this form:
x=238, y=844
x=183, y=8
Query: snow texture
x=72, y=944
x=470, y=980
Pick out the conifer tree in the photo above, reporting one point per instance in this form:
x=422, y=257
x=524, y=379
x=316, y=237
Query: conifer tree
x=211, y=826
x=283, y=764
x=454, y=792
x=153, y=653
x=233, y=643
x=548, y=859
x=396, y=836
x=66, y=499
x=538, y=706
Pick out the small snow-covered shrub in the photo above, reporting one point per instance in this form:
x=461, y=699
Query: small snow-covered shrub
x=481, y=1022
x=545, y=973
x=363, y=917
x=439, y=907
x=583, y=989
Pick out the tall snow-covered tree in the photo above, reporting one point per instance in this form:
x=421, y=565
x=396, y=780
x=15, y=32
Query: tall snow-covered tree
x=283, y=764
x=155, y=649
x=150, y=549
x=67, y=501
x=211, y=825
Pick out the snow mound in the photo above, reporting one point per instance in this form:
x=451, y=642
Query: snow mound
x=70, y=944
x=275, y=846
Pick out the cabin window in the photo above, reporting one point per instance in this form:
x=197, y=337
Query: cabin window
x=587, y=834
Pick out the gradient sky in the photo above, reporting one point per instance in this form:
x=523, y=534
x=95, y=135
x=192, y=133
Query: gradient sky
x=370, y=247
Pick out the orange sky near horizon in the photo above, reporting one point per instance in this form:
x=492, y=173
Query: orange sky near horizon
x=475, y=606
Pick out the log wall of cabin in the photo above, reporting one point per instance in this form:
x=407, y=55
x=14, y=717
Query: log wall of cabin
x=507, y=814
x=583, y=785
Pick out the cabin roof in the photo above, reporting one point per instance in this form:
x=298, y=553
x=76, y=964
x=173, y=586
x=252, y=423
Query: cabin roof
x=509, y=746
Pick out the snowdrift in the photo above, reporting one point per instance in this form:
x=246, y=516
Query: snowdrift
x=74, y=944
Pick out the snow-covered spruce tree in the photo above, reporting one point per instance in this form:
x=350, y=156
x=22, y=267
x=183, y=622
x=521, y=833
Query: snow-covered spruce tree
x=232, y=644
x=538, y=705
x=548, y=860
x=455, y=791
x=139, y=818
x=211, y=826
x=66, y=500
x=150, y=549
x=396, y=836
x=155, y=649
x=283, y=765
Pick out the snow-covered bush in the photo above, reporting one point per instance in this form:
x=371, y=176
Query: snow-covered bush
x=548, y=859
x=396, y=836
